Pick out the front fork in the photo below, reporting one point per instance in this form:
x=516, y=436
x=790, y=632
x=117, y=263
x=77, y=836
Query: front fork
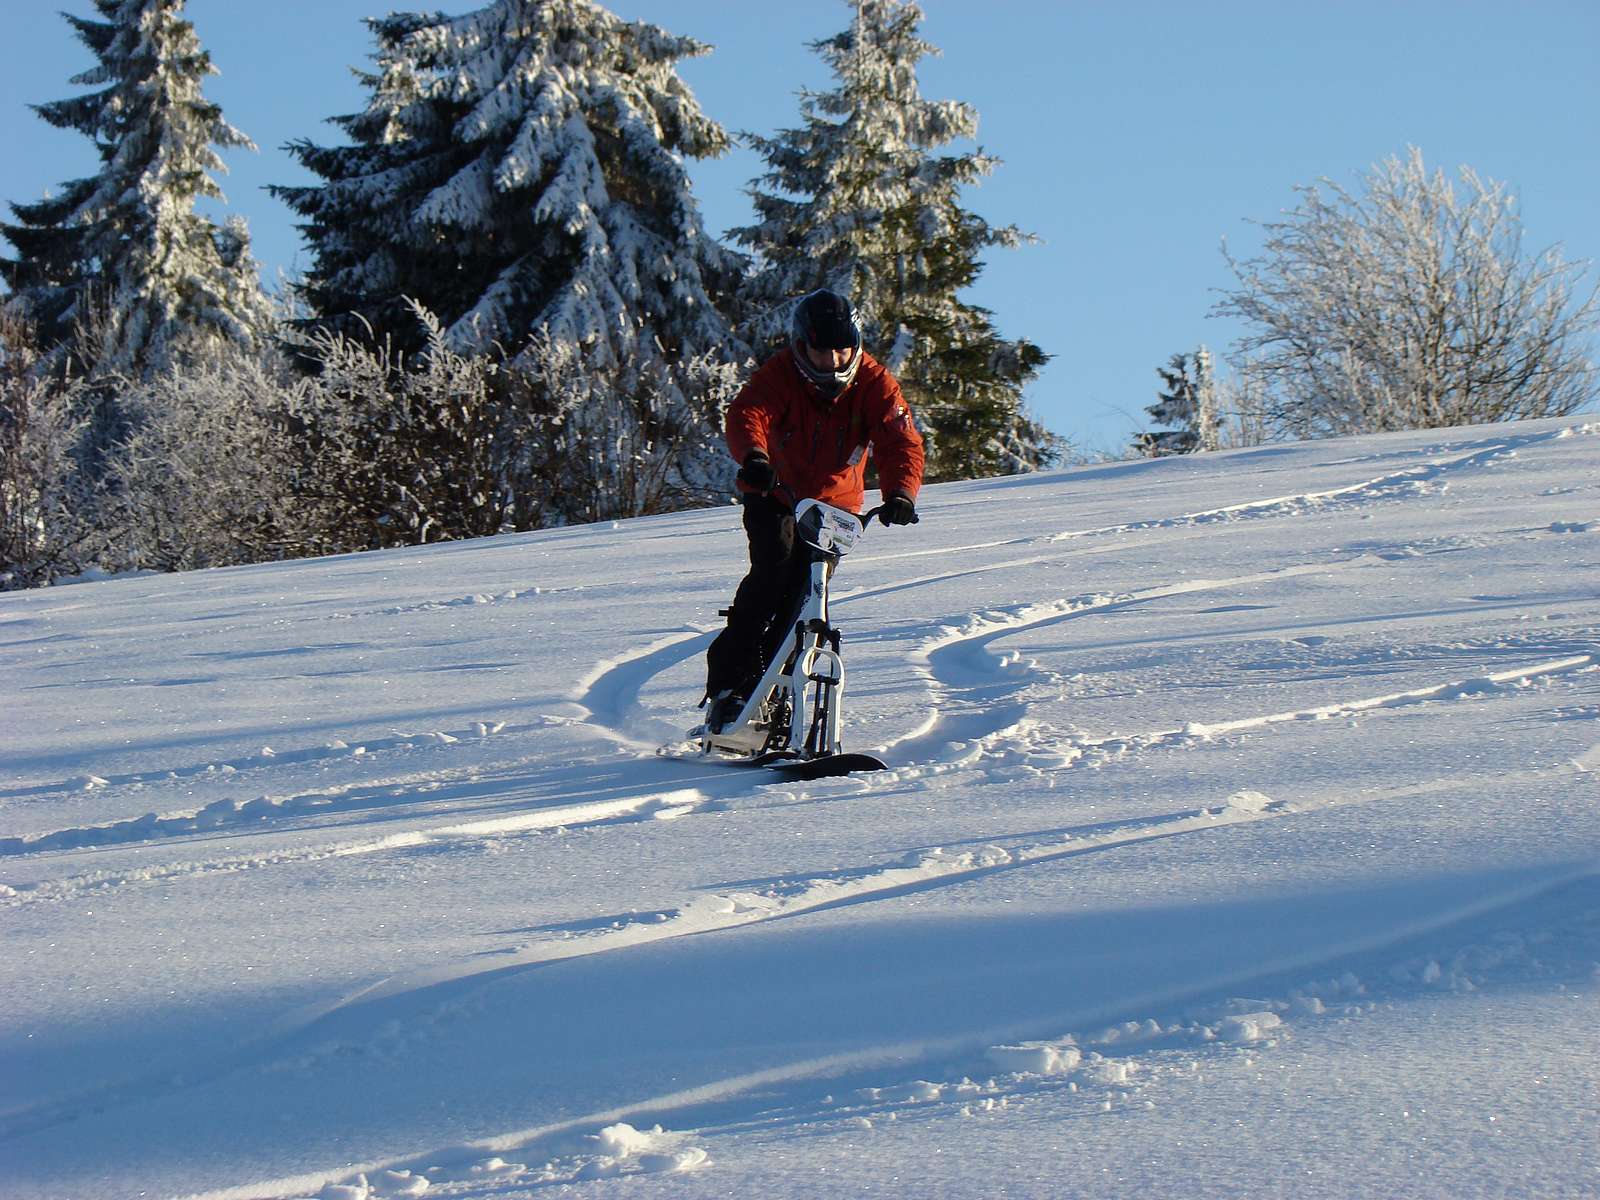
x=818, y=689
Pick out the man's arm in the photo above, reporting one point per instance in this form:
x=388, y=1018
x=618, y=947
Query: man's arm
x=749, y=419
x=746, y=431
x=897, y=446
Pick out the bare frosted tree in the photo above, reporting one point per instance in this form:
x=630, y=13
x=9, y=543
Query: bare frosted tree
x=1241, y=410
x=1411, y=306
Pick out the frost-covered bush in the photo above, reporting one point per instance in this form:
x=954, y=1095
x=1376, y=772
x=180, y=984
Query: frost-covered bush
x=399, y=449
x=187, y=468
x=625, y=442
x=396, y=450
x=206, y=477
x=46, y=500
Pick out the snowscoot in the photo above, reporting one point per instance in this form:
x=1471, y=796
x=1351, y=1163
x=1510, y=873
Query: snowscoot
x=793, y=716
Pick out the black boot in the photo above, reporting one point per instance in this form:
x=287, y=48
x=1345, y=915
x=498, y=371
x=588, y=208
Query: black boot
x=724, y=709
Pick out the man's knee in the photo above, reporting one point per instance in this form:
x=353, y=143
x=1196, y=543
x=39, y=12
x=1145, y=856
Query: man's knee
x=770, y=528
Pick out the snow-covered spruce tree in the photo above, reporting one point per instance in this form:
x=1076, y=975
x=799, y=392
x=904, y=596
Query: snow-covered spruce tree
x=517, y=170
x=1187, y=404
x=164, y=282
x=856, y=200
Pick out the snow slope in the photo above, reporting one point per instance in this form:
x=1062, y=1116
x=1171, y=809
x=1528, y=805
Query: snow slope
x=1241, y=836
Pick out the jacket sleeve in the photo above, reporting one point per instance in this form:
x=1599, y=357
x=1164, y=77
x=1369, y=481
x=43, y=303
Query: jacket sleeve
x=750, y=417
x=896, y=444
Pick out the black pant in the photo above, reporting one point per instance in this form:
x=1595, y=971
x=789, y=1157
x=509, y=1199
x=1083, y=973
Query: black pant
x=765, y=604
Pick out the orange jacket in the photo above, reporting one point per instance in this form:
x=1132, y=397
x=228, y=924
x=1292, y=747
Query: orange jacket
x=820, y=448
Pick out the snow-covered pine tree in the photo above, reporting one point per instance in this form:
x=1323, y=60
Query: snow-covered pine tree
x=123, y=252
x=1187, y=405
x=517, y=171
x=856, y=200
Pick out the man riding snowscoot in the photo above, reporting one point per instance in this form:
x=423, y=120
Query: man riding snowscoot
x=801, y=429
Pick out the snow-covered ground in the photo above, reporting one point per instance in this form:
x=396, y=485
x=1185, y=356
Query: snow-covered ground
x=1241, y=837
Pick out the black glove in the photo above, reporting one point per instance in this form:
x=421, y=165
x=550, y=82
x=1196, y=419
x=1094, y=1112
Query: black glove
x=758, y=473
x=898, y=510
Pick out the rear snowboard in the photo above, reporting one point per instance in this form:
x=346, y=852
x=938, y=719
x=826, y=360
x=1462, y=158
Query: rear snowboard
x=784, y=762
x=818, y=768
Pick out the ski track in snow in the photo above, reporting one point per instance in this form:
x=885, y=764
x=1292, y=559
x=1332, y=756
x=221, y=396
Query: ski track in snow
x=268, y=758
x=1423, y=480
x=971, y=689
x=976, y=695
x=610, y=694
x=972, y=713
x=473, y=600
x=1409, y=483
x=633, y=806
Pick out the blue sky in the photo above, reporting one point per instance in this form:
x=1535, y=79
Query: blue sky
x=1135, y=135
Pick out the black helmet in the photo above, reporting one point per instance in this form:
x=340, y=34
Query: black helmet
x=825, y=320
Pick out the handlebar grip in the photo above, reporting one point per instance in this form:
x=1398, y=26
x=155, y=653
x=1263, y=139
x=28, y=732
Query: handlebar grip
x=866, y=517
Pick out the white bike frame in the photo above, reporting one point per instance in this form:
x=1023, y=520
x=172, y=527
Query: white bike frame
x=798, y=707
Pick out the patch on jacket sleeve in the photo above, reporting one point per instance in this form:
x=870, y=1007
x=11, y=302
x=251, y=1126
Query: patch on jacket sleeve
x=901, y=419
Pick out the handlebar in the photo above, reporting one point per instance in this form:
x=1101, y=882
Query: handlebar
x=866, y=517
